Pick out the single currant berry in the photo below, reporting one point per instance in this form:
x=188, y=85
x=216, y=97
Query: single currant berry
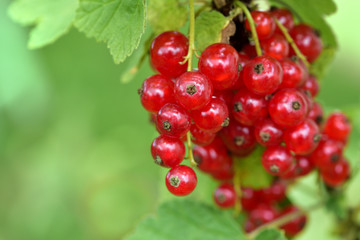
x=311, y=85
x=288, y=107
x=200, y=137
x=262, y=75
x=239, y=138
x=224, y=173
x=243, y=60
x=225, y=196
x=267, y=133
x=296, y=225
x=264, y=24
x=173, y=120
x=277, y=160
x=193, y=90
x=167, y=52
x=213, y=117
x=337, y=127
x=303, y=138
x=167, y=151
x=275, y=193
x=327, y=154
x=285, y=17
x=262, y=214
x=316, y=113
x=307, y=41
x=226, y=96
x=155, y=92
x=181, y=180
x=309, y=100
x=294, y=73
x=220, y=63
x=302, y=167
x=247, y=107
x=250, y=198
x=336, y=175
x=276, y=46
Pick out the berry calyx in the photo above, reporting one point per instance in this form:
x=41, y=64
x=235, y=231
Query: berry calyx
x=327, y=154
x=277, y=160
x=181, y=180
x=267, y=133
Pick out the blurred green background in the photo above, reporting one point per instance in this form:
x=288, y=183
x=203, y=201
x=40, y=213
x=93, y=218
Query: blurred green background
x=74, y=140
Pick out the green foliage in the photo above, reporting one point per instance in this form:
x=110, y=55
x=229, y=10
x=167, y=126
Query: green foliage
x=208, y=27
x=319, y=67
x=119, y=23
x=271, y=234
x=166, y=15
x=183, y=219
x=52, y=18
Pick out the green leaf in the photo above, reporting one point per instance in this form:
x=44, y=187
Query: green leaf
x=208, y=28
x=319, y=67
x=271, y=234
x=326, y=7
x=119, y=23
x=252, y=172
x=196, y=221
x=51, y=18
x=166, y=15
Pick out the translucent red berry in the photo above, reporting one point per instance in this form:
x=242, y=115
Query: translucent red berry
x=267, y=133
x=296, y=225
x=225, y=196
x=316, y=113
x=181, y=180
x=327, y=154
x=337, y=127
x=311, y=85
x=200, y=137
x=277, y=160
x=167, y=52
x=243, y=60
x=336, y=175
x=167, y=151
x=250, y=198
x=302, y=167
x=285, y=17
x=276, y=46
x=262, y=214
x=264, y=22
x=294, y=73
x=275, y=193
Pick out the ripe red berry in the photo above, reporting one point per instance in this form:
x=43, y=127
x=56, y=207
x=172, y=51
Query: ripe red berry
x=307, y=41
x=167, y=151
x=225, y=196
x=311, y=85
x=327, y=154
x=155, y=92
x=276, y=46
x=316, y=113
x=337, y=127
x=302, y=167
x=167, y=52
x=201, y=137
x=277, y=160
x=193, y=90
x=296, y=225
x=288, y=107
x=220, y=63
x=181, y=180
x=226, y=96
x=262, y=75
x=243, y=60
x=173, y=120
x=264, y=23
x=262, y=214
x=267, y=133
x=213, y=117
x=285, y=17
x=336, y=175
x=247, y=107
x=250, y=198
x=225, y=172
x=303, y=138
x=294, y=73
x=275, y=193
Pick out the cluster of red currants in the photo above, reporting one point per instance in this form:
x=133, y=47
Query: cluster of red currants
x=235, y=101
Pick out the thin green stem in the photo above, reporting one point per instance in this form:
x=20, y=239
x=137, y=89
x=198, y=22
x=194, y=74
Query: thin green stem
x=252, y=26
x=189, y=147
x=237, y=187
x=292, y=43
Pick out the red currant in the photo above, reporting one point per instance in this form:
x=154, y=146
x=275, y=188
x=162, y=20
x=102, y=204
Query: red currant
x=181, y=180
x=275, y=193
x=336, y=175
x=201, y=137
x=225, y=196
x=285, y=17
x=337, y=127
x=311, y=85
x=243, y=59
x=294, y=73
x=226, y=96
x=262, y=214
x=167, y=52
x=276, y=46
x=316, y=114
x=295, y=226
x=267, y=133
x=224, y=173
x=327, y=154
x=302, y=167
x=277, y=160
x=167, y=151
x=250, y=198
x=264, y=23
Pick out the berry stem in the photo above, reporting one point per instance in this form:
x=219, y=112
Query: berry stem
x=292, y=43
x=237, y=187
x=189, y=146
x=247, y=13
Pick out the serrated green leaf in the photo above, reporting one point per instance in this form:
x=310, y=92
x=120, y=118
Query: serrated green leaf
x=208, y=27
x=51, y=18
x=196, y=221
x=271, y=234
x=166, y=15
x=252, y=173
x=119, y=23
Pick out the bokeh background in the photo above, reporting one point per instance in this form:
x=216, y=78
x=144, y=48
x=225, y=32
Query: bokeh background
x=75, y=161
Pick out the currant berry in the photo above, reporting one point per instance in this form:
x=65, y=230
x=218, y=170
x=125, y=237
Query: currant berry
x=262, y=75
x=337, y=175
x=167, y=151
x=316, y=114
x=225, y=172
x=225, y=196
x=307, y=41
x=173, y=120
x=200, y=137
x=294, y=73
x=285, y=17
x=248, y=107
x=167, y=52
x=302, y=167
x=275, y=193
x=276, y=46
x=277, y=160
x=262, y=214
x=220, y=63
x=303, y=138
x=264, y=23
x=337, y=127
x=288, y=107
x=213, y=117
x=250, y=198
x=327, y=154
x=311, y=85
x=243, y=60
x=181, y=180
x=193, y=90
x=225, y=95
x=267, y=133
x=296, y=225
x=309, y=100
